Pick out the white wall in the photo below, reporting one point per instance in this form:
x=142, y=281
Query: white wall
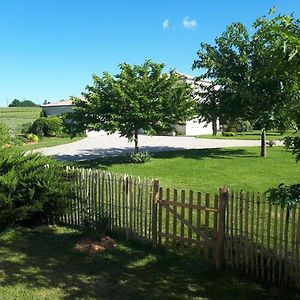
x=57, y=110
x=194, y=127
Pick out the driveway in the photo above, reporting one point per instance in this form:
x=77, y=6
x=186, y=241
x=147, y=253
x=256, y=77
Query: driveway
x=95, y=145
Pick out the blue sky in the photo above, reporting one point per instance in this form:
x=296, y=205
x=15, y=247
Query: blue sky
x=50, y=48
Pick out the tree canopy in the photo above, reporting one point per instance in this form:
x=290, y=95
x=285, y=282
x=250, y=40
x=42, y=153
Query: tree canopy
x=140, y=97
x=22, y=103
x=258, y=80
x=254, y=75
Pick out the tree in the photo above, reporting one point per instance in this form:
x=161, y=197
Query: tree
x=253, y=73
x=139, y=97
x=24, y=103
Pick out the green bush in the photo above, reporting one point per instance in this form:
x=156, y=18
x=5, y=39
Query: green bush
x=33, y=188
x=139, y=158
x=271, y=143
x=4, y=134
x=25, y=127
x=228, y=133
x=31, y=137
x=47, y=126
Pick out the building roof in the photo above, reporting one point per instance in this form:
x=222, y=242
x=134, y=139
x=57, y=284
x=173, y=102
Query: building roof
x=61, y=103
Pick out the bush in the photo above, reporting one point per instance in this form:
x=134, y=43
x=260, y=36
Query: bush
x=33, y=188
x=239, y=125
x=285, y=195
x=228, y=133
x=139, y=157
x=31, y=137
x=47, y=126
x=271, y=143
x=25, y=127
x=4, y=134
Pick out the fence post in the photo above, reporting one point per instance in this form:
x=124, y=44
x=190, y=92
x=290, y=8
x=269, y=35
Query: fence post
x=220, y=260
x=154, y=212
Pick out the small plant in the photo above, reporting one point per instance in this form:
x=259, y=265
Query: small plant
x=18, y=140
x=285, y=195
x=96, y=226
x=32, y=138
x=228, y=133
x=271, y=143
x=139, y=157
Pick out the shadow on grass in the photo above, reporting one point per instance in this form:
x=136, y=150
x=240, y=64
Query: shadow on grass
x=47, y=259
x=197, y=154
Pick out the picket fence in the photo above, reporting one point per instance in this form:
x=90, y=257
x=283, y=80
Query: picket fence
x=239, y=231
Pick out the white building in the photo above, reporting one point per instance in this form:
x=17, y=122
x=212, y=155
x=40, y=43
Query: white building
x=194, y=127
x=58, y=108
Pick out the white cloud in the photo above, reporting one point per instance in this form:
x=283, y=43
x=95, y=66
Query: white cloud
x=165, y=24
x=187, y=23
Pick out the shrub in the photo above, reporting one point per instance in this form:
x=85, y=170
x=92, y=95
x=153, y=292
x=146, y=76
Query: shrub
x=25, y=127
x=139, y=157
x=31, y=137
x=228, y=133
x=33, y=188
x=96, y=226
x=285, y=195
x=47, y=126
x=239, y=125
x=271, y=143
x=4, y=134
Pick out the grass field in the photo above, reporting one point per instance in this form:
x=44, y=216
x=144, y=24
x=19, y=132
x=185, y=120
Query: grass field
x=209, y=169
x=15, y=117
x=253, y=135
x=41, y=264
x=50, y=142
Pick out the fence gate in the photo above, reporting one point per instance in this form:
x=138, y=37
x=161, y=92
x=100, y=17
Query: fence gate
x=188, y=222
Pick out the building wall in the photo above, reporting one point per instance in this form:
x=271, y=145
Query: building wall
x=194, y=127
x=57, y=110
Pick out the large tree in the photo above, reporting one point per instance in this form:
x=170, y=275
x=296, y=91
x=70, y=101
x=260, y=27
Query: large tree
x=139, y=97
x=253, y=73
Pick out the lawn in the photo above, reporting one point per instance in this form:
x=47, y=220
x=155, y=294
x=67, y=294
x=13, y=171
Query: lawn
x=15, y=117
x=252, y=135
x=50, y=142
x=43, y=264
x=208, y=169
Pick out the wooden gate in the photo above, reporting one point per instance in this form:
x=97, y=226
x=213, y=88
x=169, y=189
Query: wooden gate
x=190, y=222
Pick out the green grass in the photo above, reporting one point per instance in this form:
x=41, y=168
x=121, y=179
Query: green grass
x=253, y=135
x=15, y=117
x=42, y=264
x=50, y=142
x=209, y=169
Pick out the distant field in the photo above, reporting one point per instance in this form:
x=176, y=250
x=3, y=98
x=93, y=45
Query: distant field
x=15, y=117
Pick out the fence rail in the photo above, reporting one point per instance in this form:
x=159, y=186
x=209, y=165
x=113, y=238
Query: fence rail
x=240, y=231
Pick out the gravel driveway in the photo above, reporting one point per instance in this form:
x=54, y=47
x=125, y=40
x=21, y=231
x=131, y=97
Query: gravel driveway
x=95, y=145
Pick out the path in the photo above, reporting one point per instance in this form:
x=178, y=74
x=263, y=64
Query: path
x=98, y=145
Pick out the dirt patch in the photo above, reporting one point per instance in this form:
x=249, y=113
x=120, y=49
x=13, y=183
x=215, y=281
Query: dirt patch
x=106, y=243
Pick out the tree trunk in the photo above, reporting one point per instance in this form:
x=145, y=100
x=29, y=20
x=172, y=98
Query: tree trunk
x=263, y=149
x=136, y=141
x=214, y=126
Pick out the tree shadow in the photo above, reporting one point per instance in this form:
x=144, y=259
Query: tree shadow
x=104, y=162
x=47, y=259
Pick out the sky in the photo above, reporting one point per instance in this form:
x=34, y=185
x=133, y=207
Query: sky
x=49, y=49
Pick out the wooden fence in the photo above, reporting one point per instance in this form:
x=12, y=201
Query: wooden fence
x=239, y=231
